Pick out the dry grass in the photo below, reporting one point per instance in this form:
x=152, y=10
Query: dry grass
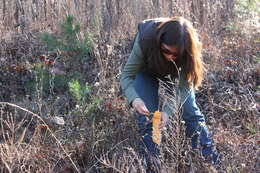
x=17, y=153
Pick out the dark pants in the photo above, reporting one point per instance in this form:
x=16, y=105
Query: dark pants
x=147, y=88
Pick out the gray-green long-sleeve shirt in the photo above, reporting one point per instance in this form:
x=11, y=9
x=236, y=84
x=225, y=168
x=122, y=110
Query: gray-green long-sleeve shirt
x=134, y=64
x=132, y=67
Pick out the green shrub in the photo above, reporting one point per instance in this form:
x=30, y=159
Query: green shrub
x=246, y=7
x=68, y=42
x=85, y=103
x=246, y=14
x=68, y=48
x=80, y=92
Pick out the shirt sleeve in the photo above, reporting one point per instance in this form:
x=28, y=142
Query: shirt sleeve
x=133, y=65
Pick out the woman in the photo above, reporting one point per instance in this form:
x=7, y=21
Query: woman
x=166, y=46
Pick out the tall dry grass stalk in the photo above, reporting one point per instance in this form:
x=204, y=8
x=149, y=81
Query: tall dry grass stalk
x=176, y=150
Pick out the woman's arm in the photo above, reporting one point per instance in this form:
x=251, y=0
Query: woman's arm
x=133, y=65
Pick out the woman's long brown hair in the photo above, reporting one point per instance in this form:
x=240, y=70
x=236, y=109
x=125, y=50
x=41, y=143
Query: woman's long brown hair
x=192, y=47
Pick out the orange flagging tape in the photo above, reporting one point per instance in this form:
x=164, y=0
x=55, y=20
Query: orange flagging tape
x=156, y=131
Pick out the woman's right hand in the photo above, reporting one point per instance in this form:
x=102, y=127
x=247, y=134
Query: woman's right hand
x=140, y=107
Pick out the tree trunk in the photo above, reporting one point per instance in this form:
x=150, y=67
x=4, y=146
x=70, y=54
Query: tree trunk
x=156, y=5
x=170, y=8
x=37, y=9
x=16, y=14
x=4, y=9
x=45, y=10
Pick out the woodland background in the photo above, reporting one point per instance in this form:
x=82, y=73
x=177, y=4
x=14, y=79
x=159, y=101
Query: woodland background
x=61, y=108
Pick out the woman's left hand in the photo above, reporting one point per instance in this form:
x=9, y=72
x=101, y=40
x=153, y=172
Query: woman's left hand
x=164, y=120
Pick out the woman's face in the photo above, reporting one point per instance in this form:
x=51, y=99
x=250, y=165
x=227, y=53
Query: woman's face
x=169, y=52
